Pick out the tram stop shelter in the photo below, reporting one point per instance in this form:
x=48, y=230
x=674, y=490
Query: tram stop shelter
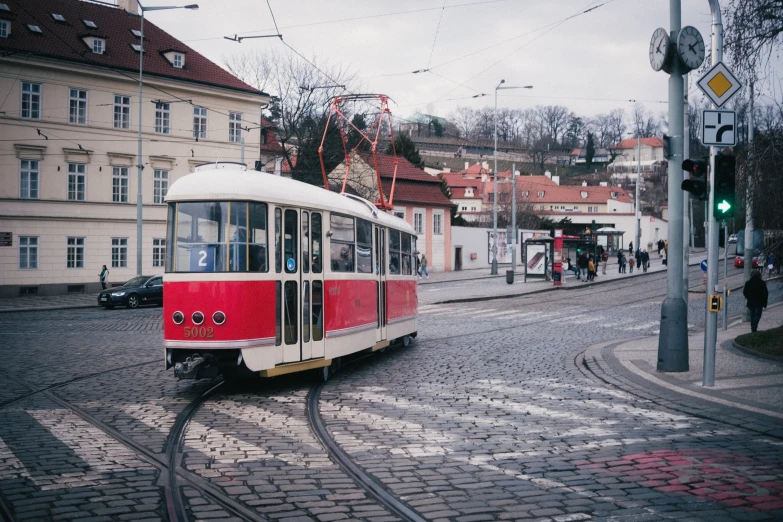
x=538, y=258
x=610, y=238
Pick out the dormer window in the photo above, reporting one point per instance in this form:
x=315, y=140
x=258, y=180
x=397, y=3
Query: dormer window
x=90, y=24
x=58, y=17
x=526, y=194
x=584, y=194
x=5, y=28
x=4, y=7
x=614, y=195
x=98, y=45
x=136, y=33
x=136, y=47
x=178, y=60
x=34, y=29
x=541, y=194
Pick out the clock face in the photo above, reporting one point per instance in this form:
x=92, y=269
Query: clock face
x=690, y=47
x=659, y=49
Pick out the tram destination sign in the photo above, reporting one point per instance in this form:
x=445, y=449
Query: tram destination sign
x=6, y=239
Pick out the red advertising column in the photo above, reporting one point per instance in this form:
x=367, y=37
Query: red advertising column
x=557, y=269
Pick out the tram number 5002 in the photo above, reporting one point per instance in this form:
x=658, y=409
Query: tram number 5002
x=196, y=332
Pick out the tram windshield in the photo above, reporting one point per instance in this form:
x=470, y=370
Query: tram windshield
x=217, y=236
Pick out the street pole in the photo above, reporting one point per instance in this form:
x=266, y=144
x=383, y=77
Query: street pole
x=242, y=153
x=673, y=339
x=725, y=275
x=638, y=205
x=140, y=163
x=514, y=217
x=686, y=221
x=711, y=326
x=494, y=270
x=749, y=204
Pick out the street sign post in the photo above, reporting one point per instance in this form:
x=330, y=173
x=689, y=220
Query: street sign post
x=719, y=128
x=719, y=84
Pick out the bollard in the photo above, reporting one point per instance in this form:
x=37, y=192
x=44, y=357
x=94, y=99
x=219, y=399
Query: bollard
x=510, y=277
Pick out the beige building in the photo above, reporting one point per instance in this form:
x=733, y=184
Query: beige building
x=68, y=140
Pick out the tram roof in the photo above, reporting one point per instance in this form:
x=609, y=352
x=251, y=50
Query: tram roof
x=233, y=181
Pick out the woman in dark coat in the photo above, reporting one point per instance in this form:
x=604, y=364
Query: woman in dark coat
x=756, y=293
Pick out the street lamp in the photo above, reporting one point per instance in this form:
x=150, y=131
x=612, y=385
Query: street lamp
x=494, y=270
x=637, y=206
x=140, y=162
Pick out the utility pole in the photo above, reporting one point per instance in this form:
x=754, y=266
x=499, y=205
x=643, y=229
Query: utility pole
x=673, y=339
x=711, y=326
x=514, y=217
x=749, y=203
x=686, y=221
x=638, y=236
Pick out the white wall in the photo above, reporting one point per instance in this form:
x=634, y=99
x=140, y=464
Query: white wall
x=474, y=241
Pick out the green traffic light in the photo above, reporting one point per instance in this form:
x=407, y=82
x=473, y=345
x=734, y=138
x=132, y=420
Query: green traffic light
x=724, y=206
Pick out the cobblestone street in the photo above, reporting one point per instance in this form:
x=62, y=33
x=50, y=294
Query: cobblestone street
x=501, y=409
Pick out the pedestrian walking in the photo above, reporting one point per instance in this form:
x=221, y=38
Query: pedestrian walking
x=583, y=267
x=631, y=263
x=591, y=269
x=770, y=264
x=619, y=261
x=630, y=248
x=623, y=263
x=423, y=267
x=756, y=293
x=645, y=260
x=104, y=277
x=604, y=261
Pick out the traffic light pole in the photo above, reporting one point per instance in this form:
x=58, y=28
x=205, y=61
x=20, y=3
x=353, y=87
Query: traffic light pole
x=673, y=339
x=686, y=222
x=711, y=330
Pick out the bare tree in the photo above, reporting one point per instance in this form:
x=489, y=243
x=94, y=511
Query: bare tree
x=644, y=123
x=754, y=30
x=465, y=120
x=617, y=125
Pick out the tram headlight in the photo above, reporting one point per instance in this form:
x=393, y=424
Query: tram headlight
x=197, y=317
x=178, y=317
x=219, y=318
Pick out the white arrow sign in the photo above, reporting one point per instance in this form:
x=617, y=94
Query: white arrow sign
x=719, y=128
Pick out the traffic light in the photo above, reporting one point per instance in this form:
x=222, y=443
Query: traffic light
x=725, y=187
x=697, y=182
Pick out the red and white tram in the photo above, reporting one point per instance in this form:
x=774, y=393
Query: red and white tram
x=271, y=275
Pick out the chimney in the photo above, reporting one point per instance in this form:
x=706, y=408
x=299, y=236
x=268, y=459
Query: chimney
x=129, y=6
x=556, y=179
x=604, y=184
x=548, y=174
x=584, y=183
x=485, y=165
x=467, y=165
x=278, y=166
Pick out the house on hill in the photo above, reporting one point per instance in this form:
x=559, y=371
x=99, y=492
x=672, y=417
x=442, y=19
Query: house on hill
x=629, y=157
x=417, y=199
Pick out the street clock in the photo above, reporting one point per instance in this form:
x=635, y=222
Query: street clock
x=660, y=50
x=690, y=48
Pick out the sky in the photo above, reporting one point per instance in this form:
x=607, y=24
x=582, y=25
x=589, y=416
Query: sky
x=591, y=63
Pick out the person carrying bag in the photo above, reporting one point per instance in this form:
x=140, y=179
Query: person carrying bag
x=104, y=276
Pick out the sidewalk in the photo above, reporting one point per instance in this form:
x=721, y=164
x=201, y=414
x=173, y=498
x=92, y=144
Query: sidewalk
x=748, y=390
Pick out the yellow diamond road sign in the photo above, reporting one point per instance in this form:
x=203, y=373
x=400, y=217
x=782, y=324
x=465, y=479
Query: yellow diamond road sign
x=719, y=84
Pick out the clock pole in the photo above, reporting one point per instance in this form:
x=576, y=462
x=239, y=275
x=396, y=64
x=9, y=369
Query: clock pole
x=673, y=339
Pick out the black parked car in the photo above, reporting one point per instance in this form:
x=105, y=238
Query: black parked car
x=141, y=290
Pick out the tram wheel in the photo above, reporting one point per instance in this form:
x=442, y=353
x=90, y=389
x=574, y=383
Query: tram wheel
x=324, y=373
x=406, y=341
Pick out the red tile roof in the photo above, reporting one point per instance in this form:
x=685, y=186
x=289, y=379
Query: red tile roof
x=63, y=41
x=459, y=193
x=632, y=143
x=405, y=169
x=418, y=193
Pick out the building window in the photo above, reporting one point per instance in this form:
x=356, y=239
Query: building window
x=200, y=123
x=472, y=209
x=161, y=186
x=136, y=33
x=76, y=181
x=90, y=24
x=162, y=118
x=234, y=127
x=541, y=194
x=34, y=29
x=4, y=7
x=58, y=17
x=28, y=252
x=98, y=45
x=122, y=111
x=75, y=252
x=5, y=28
x=464, y=207
x=400, y=214
x=31, y=101
x=178, y=60
x=526, y=194
x=418, y=222
x=158, y=252
x=78, y=107
x=119, y=184
x=119, y=252
x=28, y=179
x=136, y=47
x=437, y=224
x=541, y=207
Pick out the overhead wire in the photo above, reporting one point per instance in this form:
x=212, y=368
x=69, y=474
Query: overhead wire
x=437, y=30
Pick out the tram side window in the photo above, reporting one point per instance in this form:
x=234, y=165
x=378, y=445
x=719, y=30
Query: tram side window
x=315, y=232
x=170, y=236
x=394, y=252
x=278, y=240
x=291, y=230
x=237, y=229
x=364, y=246
x=342, y=247
x=305, y=242
x=257, y=238
x=201, y=244
x=406, y=254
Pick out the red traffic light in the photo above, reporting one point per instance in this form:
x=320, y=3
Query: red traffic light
x=696, y=168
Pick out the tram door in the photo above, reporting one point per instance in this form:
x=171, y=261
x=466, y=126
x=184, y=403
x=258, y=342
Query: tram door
x=380, y=277
x=312, y=278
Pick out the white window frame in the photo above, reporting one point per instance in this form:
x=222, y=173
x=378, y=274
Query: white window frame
x=98, y=45
x=122, y=112
x=437, y=223
x=136, y=33
x=28, y=252
x=136, y=47
x=120, y=181
x=200, y=123
x=419, y=220
x=34, y=28
x=163, y=118
x=58, y=17
x=5, y=28
x=77, y=170
x=540, y=193
x=29, y=175
x=178, y=60
x=31, y=95
x=119, y=252
x=77, y=106
x=158, y=252
x=160, y=186
x=75, y=253
x=234, y=127
x=90, y=24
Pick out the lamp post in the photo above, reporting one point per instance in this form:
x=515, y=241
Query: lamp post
x=140, y=164
x=637, y=207
x=494, y=270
